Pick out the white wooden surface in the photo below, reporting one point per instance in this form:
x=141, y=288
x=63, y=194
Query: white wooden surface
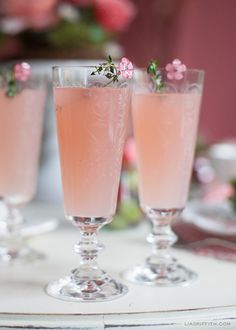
x=23, y=303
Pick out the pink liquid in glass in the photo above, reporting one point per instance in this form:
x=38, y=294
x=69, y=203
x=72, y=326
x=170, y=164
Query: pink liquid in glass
x=20, y=134
x=91, y=125
x=165, y=127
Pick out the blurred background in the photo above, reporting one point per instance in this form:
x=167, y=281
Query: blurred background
x=201, y=33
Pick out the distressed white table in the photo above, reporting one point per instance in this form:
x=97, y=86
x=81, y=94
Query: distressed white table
x=208, y=303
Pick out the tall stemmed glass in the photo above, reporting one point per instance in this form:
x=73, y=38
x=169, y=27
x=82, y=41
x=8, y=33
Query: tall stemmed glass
x=91, y=114
x=165, y=127
x=21, y=122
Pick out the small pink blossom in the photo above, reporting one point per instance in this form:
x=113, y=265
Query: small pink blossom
x=175, y=70
x=125, y=68
x=22, y=71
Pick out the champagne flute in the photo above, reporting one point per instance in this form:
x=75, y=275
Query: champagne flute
x=165, y=127
x=21, y=121
x=91, y=114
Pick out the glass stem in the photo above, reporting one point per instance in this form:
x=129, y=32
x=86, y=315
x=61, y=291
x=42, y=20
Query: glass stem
x=88, y=247
x=11, y=222
x=88, y=282
x=162, y=237
x=14, y=220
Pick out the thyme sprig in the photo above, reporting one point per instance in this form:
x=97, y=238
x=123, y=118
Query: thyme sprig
x=108, y=69
x=153, y=69
x=12, y=87
x=7, y=79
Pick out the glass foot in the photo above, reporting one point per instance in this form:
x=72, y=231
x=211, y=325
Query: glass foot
x=71, y=288
x=172, y=275
x=22, y=255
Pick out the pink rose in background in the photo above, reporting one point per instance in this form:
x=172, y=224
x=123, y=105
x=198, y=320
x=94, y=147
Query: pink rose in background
x=26, y=7
x=114, y=15
x=126, y=68
x=42, y=21
x=22, y=71
x=36, y=14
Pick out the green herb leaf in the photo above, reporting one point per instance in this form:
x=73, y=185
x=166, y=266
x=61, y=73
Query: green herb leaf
x=108, y=69
x=154, y=72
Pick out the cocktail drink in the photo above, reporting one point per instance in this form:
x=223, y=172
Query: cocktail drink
x=91, y=124
x=21, y=121
x=165, y=128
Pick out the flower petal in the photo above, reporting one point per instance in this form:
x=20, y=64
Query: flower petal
x=176, y=62
x=178, y=75
x=130, y=66
x=169, y=67
x=182, y=68
x=125, y=61
x=131, y=72
x=171, y=75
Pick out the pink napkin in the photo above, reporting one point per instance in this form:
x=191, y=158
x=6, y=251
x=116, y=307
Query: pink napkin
x=195, y=239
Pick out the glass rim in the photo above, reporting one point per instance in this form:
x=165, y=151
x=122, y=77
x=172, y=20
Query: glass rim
x=55, y=67
x=142, y=69
x=162, y=69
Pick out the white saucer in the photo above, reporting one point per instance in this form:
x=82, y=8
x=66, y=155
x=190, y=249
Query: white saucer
x=214, y=218
x=36, y=227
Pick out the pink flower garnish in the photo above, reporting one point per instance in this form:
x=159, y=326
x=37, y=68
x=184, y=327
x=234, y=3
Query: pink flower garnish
x=22, y=71
x=125, y=68
x=175, y=70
